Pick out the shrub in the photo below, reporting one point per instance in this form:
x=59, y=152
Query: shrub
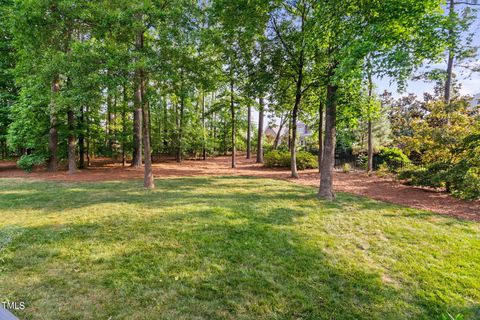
x=383, y=170
x=346, y=168
x=464, y=181
x=393, y=158
x=281, y=159
x=275, y=158
x=362, y=161
x=306, y=160
x=28, y=161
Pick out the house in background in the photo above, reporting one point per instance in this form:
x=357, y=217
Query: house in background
x=303, y=133
x=475, y=102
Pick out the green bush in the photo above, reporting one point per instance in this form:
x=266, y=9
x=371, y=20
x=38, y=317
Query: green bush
x=306, y=160
x=281, y=159
x=362, y=161
x=394, y=158
x=346, y=168
x=276, y=159
x=462, y=180
x=28, y=161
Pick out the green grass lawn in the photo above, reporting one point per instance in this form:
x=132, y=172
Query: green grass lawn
x=228, y=248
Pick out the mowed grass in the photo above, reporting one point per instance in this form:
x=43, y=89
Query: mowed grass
x=228, y=248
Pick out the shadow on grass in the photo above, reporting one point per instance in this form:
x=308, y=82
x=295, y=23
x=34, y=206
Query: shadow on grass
x=245, y=261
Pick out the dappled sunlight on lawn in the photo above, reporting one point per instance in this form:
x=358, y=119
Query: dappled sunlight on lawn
x=228, y=248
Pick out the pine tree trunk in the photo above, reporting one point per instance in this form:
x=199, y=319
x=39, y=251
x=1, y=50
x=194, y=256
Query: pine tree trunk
x=232, y=111
x=81, y=140
x=124, y=126
x=88, y=136
x=451, y=57
x=180, y=128
x=320, y=134
x=260, y=130
x=204, y=142
x=249, y=132
x=370, y=133
x=108, y=130
x=148, y=182
x=370, y=147
x=72, y=162
x=328, y=159
x=52, y=165
x=293, y=146
x=138, y=111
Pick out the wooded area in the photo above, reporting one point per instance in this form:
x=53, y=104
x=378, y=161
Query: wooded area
x=135, y=81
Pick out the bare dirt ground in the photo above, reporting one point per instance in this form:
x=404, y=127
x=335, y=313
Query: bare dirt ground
x=358, y=183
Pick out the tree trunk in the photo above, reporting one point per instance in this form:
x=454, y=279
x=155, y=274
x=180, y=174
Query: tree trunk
x=451, y=57
x=232, y=110
x=165, y=124
x=249, y=132
x=108, y=130
x=88, y=136
x=204, y=147
x=148, y=182
x=278, y=136
x=328, y=159
x=370, y=137
x=180, y=128
x=298, y=99
x=138, y=111
x=320, y=134
x=142, y=103
x=81, y=140
x=370, y=147
x=260, y=130
x=53, y=133
x=72, y=162
x=124, y=127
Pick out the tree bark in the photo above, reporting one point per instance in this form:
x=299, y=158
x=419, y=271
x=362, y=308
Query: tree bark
x=87, y=123
x=370, y=147
x=108, y=130
x=278, y=136
x=81, y=140
x=124, y=126
x=249, y=132
x=148, y=182
x=232, y=110
x=298, y=99
x=52, y=165
x=261, y=116
x=204, y=146
x=72, y=162
x=328, y=159
x=138, y=111
x=370, y=133
x=180, y=128
x=451, y=57
x=320, y=134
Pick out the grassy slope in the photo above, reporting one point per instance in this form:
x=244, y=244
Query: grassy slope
x=228, y=248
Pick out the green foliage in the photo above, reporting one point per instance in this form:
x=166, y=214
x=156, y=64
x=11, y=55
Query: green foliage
x=306, y=160
x=281, y=159
x=448, y=316
x=346, y=168
x=277, y=159
x=28, y=161
x=393, y=158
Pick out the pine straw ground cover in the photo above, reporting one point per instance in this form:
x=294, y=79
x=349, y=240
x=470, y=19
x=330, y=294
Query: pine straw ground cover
x=228, y=248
